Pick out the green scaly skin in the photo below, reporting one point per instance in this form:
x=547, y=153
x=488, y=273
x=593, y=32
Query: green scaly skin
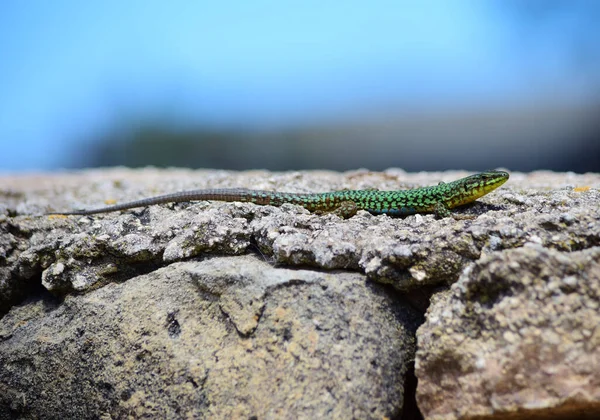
x=437, y=199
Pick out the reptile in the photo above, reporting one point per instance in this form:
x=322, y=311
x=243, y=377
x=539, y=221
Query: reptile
x=438, y=199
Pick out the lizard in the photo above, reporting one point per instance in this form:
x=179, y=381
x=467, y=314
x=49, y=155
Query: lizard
x=438, y=199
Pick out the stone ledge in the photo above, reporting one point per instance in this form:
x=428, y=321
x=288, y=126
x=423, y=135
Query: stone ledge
x=76, y=279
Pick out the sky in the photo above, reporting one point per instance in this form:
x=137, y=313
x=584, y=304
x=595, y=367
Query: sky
x=68, y=68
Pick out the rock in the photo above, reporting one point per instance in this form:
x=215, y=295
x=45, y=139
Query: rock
x=411, y=253
x=518, y=335
x=164, y=311
x=226, y=337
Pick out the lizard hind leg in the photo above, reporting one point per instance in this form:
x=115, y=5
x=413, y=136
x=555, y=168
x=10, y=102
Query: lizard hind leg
x=346, y=209
x=441, y=210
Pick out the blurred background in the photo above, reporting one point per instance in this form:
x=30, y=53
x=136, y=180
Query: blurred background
x=427, y=85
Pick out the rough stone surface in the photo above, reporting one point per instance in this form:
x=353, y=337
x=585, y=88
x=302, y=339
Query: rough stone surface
x=222, y=338
x=94, y=267
x=518, y=334
x=75, y=253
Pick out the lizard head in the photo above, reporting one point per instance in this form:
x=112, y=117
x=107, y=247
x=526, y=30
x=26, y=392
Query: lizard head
x=484, y=182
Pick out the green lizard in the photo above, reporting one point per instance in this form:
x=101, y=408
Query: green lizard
x=437, y=199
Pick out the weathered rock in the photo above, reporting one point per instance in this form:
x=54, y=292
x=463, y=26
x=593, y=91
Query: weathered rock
x=518, y=335
x=222, y=338
x=80, y=253
x=100, y=269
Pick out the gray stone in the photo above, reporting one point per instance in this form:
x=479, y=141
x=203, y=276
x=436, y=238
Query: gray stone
x=226, y=337
x=519, y=335
x=132, y=307
x=408, y=253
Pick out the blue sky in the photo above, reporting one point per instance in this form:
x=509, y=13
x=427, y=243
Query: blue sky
x=70, y=68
